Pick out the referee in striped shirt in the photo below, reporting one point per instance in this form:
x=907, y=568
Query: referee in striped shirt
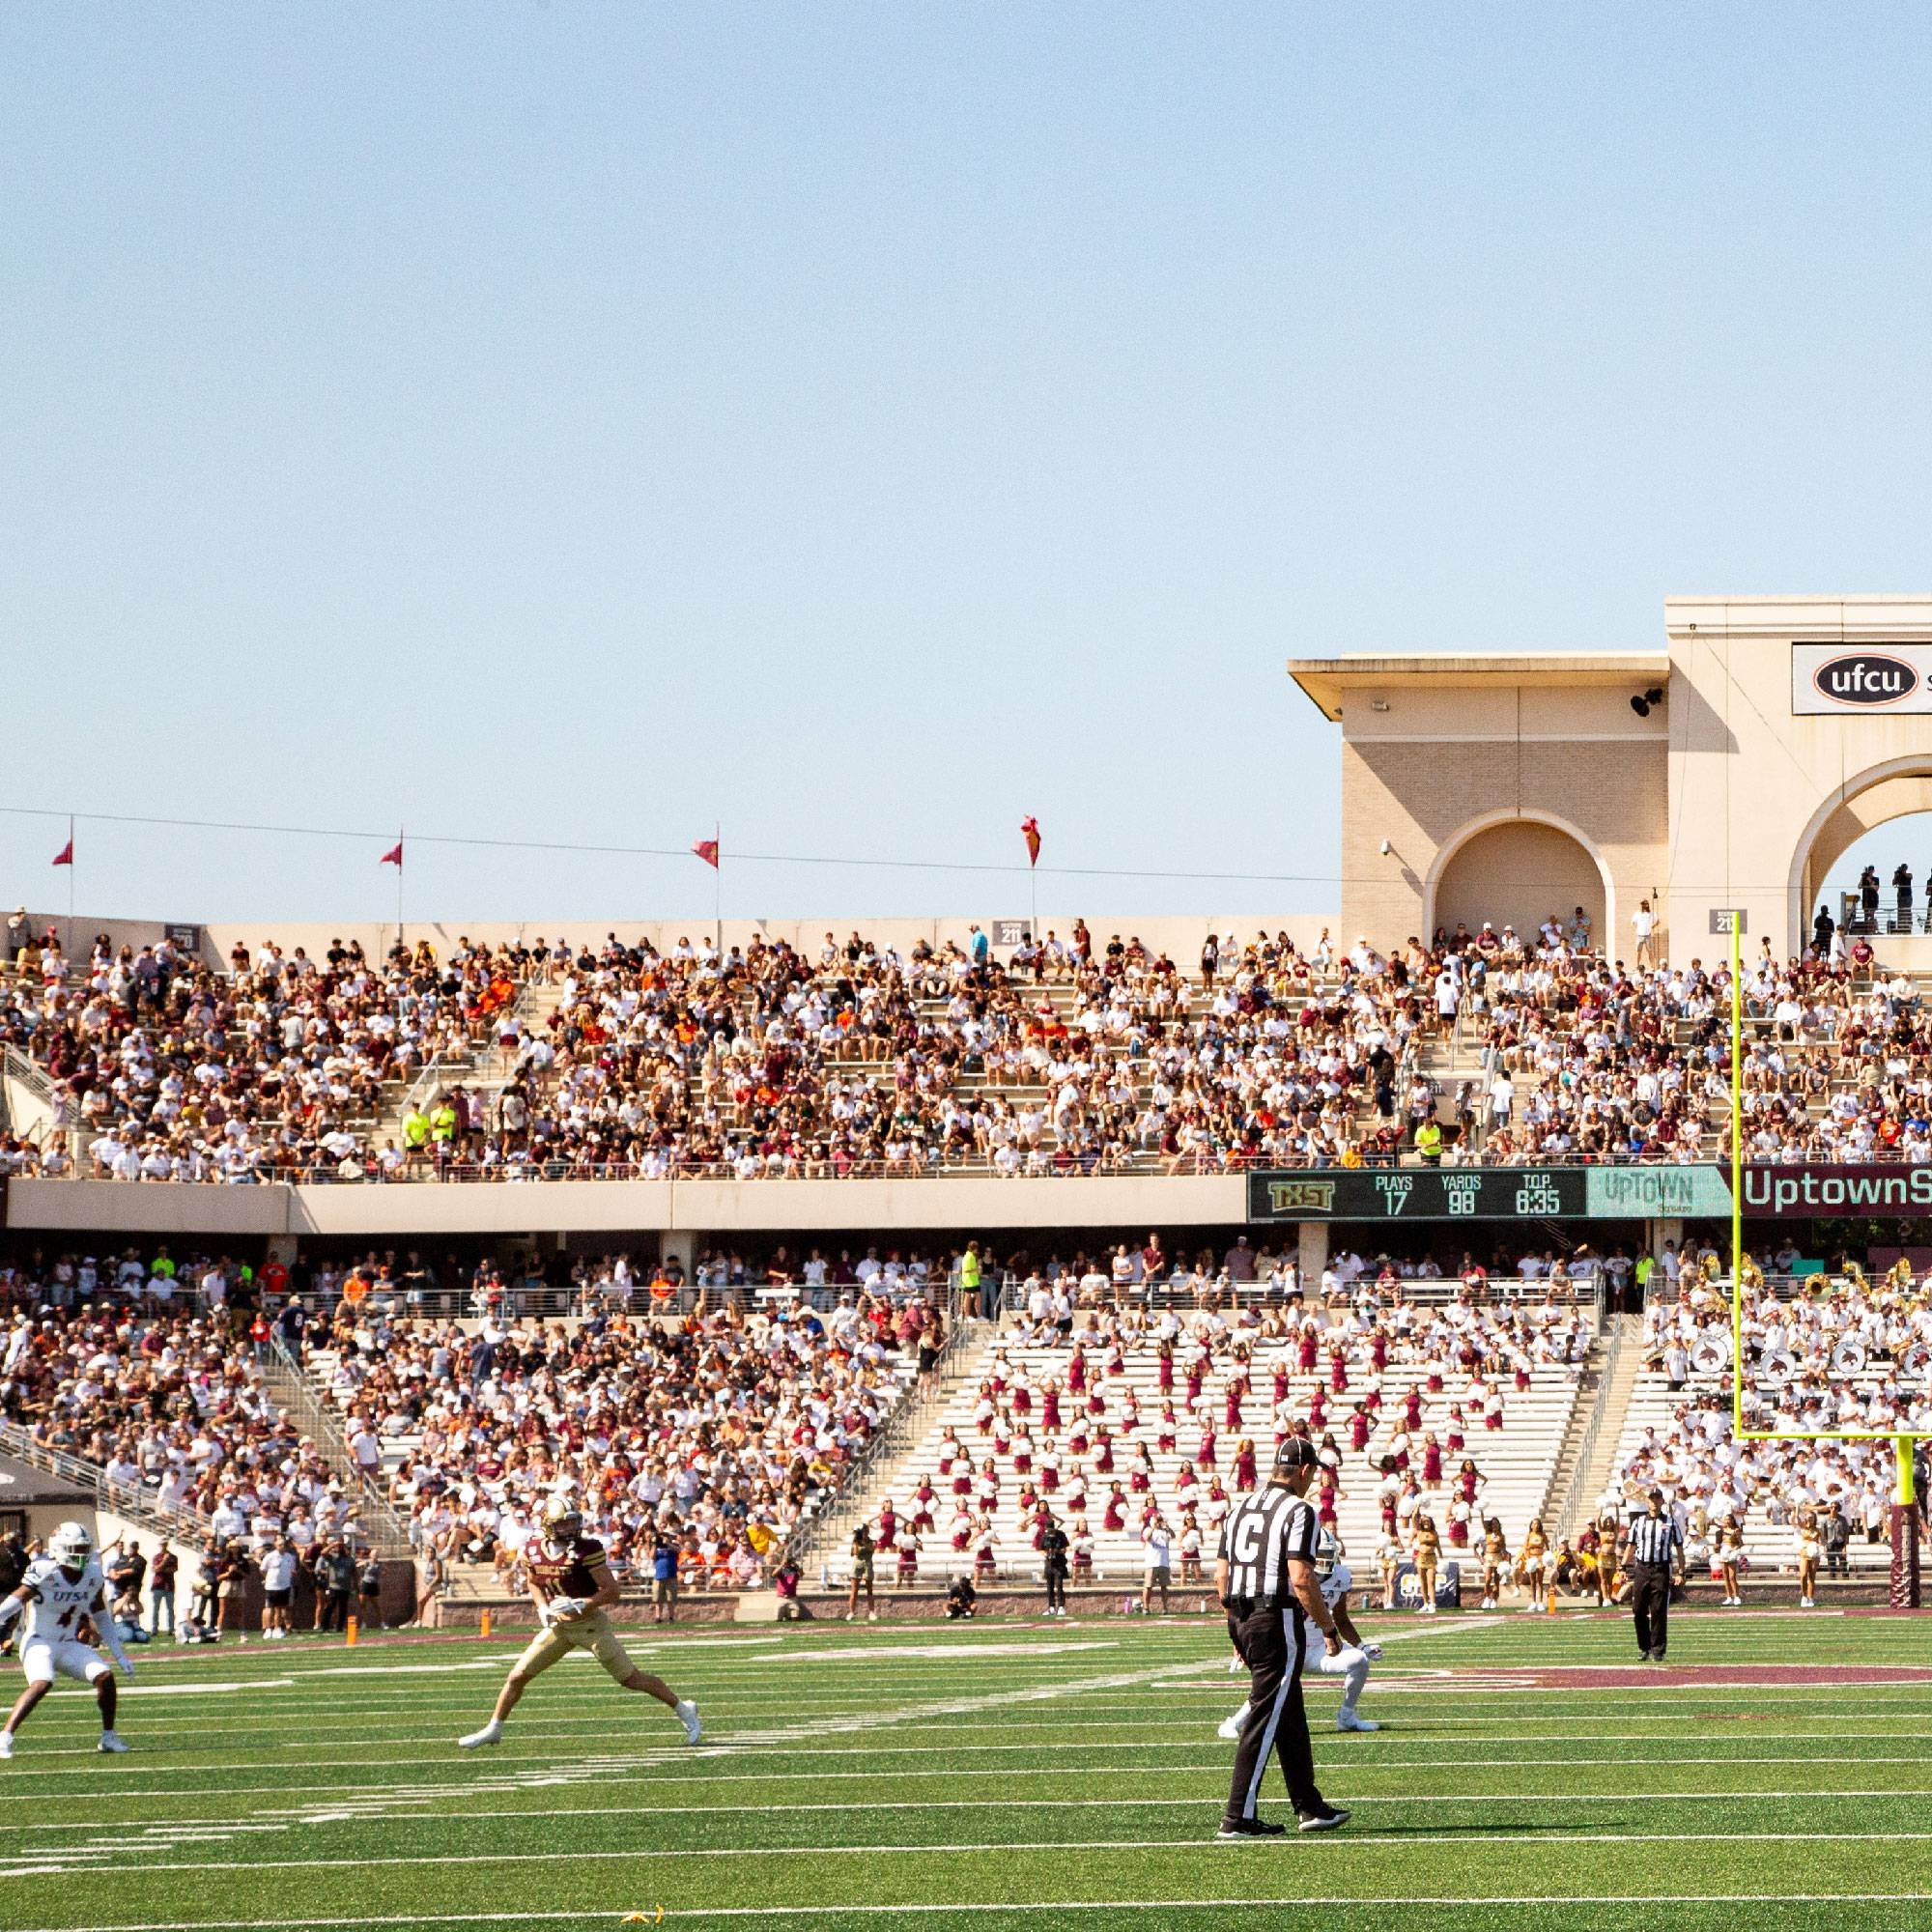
x=1652, y=1550
x=1265, y=1575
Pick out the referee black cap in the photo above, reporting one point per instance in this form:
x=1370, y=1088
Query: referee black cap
x=1295, y=1454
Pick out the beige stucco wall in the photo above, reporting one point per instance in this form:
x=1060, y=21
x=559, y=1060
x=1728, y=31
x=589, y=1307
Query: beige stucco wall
x=1433, y=774
x=1752, y=786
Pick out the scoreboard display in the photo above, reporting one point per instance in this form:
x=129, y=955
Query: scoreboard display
x=1418, y=1194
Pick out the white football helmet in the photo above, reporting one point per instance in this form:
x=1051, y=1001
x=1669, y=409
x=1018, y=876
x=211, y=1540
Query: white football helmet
x=1327, y=1552
x=562, y=1518
x=70, y=1546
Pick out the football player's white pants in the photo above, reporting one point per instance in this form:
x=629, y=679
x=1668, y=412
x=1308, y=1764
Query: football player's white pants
x=1351, y=1666
x=43, y=1659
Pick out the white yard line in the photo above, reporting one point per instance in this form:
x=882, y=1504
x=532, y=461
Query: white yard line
x=1245, y=1901
x=123, y=1869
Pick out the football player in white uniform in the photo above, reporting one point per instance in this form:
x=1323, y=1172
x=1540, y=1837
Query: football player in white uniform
x=1351, y=1663
x=572, y=1586
x=61, y=1592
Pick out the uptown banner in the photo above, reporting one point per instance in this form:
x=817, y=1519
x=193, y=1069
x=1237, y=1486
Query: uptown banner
x=1808, y=1188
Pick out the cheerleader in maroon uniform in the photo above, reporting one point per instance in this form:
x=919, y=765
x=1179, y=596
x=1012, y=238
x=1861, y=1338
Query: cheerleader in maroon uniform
x=1076, y=1370
x=925, y=1500
x=988, y=1488
x=1278, y=1384
x=888, y=1525
x=1167, y=1434
x=1076, y=1490
x=1022, y=1453
x=1306, y=1350
x=1245, y=1476
x=1023, y=1398
x=1359, y=1429
x=1163, y=1373
x=1453, y=1437
x=1230, y=1407
x=1470, y=1481
x=1432, y=1461
x=1411, y=1408
x=1049, y=1471
x=960, y=1530
x=1003, y=1435
x=986, y=1410
x=1379, y=1350
x=1523, y=1375
x=1104, y=1455
x=1318, y=1412
x=1187, y=1486
x=908, y=1567
x=1338, y=1372
x=1079, y=1437
x=1049, y=1409
x=1203, y=1455
x=1140, y=1473
x=1115, y=1515
x=1196, y=1374
x=1082, y=1539
x=1329, y=1496
x=1130, y=1413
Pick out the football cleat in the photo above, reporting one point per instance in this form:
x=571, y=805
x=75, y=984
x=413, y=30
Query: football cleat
x=1347, y=1719
x=490, y=1734
x=687, y=1715
x=1232, y=1829
x=1231, y=1725
x=6, y=1744
x=113, y=1742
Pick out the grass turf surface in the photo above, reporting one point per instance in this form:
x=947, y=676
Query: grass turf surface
x=895, y=1777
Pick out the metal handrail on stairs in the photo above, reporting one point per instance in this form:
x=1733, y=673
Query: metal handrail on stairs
x=1586, y=1449
x=123, y=1498
x=389, y=1534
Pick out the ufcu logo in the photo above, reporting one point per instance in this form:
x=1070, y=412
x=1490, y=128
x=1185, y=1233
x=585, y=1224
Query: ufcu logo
x=1865, y=678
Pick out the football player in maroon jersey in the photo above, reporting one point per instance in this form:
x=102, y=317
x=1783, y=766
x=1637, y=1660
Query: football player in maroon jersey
x=572, y=1586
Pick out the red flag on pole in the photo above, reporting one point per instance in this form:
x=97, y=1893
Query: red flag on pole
x=1029, y=832
x=393, y=856
x=65, y=856
x=707, y=850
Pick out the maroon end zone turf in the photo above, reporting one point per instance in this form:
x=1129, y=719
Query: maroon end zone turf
x=1712, y=1676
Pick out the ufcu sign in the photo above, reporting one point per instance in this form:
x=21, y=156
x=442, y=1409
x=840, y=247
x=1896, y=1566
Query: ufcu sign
x=1843, y=677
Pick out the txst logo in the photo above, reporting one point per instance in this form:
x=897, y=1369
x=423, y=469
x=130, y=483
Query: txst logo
x=1865, y=678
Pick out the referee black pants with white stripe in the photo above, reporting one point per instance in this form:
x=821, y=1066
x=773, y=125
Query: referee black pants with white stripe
x=1273, y=1644
x=1650, y=1597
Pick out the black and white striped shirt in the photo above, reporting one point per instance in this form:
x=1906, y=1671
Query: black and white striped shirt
x=1264, y=1529
x=1654, y=1539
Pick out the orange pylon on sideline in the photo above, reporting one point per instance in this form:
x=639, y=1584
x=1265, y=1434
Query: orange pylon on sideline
x=348, y=1634
x=485, y=1628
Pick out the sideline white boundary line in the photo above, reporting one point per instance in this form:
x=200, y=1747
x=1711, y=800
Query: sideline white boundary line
x=1246, y=1900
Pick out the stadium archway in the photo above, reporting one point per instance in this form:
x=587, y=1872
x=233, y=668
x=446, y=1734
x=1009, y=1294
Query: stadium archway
x=1519, y=866
x=1897, y=788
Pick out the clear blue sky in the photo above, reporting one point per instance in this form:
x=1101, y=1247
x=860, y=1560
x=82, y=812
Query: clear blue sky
x=865, y=426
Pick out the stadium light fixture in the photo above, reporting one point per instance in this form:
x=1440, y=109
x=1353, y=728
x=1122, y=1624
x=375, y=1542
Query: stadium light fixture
x=1643, y=702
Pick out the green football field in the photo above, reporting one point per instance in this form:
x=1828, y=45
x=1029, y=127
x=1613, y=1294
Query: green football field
x=1775, y=1775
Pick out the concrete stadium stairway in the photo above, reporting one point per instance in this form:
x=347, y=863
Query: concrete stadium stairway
x=1590, y=1444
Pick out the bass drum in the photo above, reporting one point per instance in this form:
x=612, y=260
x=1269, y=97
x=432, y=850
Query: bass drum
x=1712, y=1356
x=1779, y=1366
x=1848, y=1357
x=1915, y=1360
